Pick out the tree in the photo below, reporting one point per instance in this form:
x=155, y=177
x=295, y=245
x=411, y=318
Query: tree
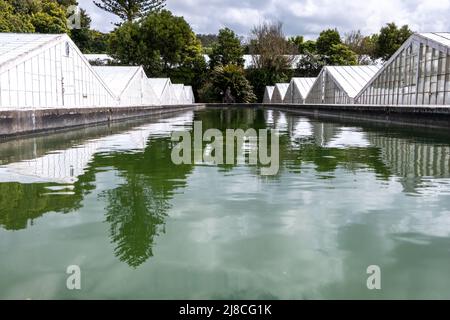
x=341, y=55
x=309, y=46
x=13, y=22
x=310, y=65
x=207, y=40
x=227, y=50
x=297, y=41
x=260, y=78
x=227, y=84
x=270, y=49
x=303, y=46
x=51, y=18
x=390, y=40
x=130, y=10
x=82, y=36
x=98, y=41
x=273, y=57
x=163, y=44
x=363, y=46
x=326, y=40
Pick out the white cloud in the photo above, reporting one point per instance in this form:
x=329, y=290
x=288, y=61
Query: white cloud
x=307, y=17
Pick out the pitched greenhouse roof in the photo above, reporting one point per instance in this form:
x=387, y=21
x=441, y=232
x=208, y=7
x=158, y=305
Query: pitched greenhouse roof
x=117, y=77
x=437, y=40
x=442, y=38
x=269, y=91
x=99, y=56
x=178, y=90
x=304, y=85
x=159, y=85
x=189, y=94
x=15, y=47
x=282, y=89
x=352, y=79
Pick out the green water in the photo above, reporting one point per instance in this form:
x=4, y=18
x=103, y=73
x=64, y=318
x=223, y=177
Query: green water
x=109, y=200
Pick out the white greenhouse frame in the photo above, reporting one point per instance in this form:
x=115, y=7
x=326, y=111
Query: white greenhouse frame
x=47, y=71
x=340, y=84
x=279, y=92
x=268, y=93
x=417, y=74
x=298, y=90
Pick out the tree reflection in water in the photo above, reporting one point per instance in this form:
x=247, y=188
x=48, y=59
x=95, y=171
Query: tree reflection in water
x=136, y=210
x=136, y=215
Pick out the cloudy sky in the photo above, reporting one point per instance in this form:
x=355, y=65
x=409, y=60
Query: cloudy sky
x=304, y=17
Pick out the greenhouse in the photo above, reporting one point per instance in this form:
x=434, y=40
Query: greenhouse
x=298, y=90
x=178, y=96
x=268, y=94
x=340, y=85
x=163, y=90
x=189, y=94
x=417, y=74
x=279, y=92
x=128, y=84
x=43, y=70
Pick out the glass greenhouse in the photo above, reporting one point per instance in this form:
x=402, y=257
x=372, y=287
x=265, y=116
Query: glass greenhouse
x=268, y=93
x=340, y=85
x=417, y=74
x=279, y=92
x=43, y=70
x=189, y=94
x=49, y=71
x=128, y=83
x=298, y=90
x=163, y=90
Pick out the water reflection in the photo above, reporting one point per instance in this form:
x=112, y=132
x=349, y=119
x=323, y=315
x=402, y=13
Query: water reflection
x=137, y=208
x=60, y=171
x=56, y=176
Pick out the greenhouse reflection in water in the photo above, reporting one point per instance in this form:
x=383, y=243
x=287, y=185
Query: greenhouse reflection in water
x=110, y=199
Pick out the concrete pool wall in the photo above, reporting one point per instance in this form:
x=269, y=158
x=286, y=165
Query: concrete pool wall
x=23, y=122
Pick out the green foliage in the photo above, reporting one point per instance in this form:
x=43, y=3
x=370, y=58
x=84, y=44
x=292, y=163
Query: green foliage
x=227, y=84
x=98, y=42
x=270, y=48
x=341, y=55
x=82, y=36
x=207, y=41
x=309, y=47
x=42, y=16
x=310, y=65
x=227, y=50
x=260, y=78
x=130, y=10
x=303, y=46
x=297, y=41
x=273, y=56
x=390, y=40
x=88, y=40
x=163, y=44
x=11, y=21
x=326, y=40
x=363, y=46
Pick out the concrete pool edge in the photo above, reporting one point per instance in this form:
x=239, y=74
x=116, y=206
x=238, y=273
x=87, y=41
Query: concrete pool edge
x=15, y=123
